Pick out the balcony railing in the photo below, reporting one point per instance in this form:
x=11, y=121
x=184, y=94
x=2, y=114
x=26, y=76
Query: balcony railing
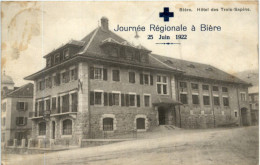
x=73, y=108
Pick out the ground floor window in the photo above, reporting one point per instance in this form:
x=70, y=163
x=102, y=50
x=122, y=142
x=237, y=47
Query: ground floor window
x=108, y=124
x=225, y=101
x=42, y=128
x=67, y=127
x=216, y=100
x=183, y=98
x=206, y=100
x=140, y=123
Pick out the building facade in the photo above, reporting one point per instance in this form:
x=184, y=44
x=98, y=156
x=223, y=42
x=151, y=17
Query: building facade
x=16, y=104
x=103, y=84
x=253, y=93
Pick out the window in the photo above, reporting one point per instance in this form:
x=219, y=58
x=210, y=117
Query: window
x=137, y=56
x=140, y=123
x=42, y=128
x=215, y=88
x=22, y=106
x=183, y=85
x=57, y=79
x=98, y=73
x=146, y=79
x=162, y=85
x=66, y=53
x=116, y=75
x=129, y=54
x=53, y=103
x=74, y=74
x=65, y=77
x=3, y=121
x=108, y=124
x=42, y=84
x=65, y=103
x=243, y=96
x=48, y=105
x=225, y=101
x=206, y=100
x=195, y=99
x=205, y=87
x=147, y=100
x=57, y=58
x=216, y=100
x=224, y=89
x=132, y=77
x=21, y=120
x=48, y=61
x=132, y=99
x=96, y=98
x=4, y=107
x=114, y=52
x=74, y=98
x=67, y=127
x=48, y=82
x=41, y=108
x=194, y=86
x=183, y=98
x=235, y=114
x=115, y=98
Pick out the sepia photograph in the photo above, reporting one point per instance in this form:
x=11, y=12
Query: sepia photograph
x=130, y=82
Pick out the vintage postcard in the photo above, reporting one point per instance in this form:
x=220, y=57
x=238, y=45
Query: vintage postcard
x=129, y=83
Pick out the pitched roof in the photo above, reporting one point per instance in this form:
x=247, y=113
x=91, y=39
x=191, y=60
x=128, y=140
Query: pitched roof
x=199, y=70
x=23, y=91
x=97, y=37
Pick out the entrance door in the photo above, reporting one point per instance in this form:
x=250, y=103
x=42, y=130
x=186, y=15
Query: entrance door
x=244, y=116
x=161, y=115
x=53, y=129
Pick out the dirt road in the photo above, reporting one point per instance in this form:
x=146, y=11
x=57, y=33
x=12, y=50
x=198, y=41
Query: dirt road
x=236, y=146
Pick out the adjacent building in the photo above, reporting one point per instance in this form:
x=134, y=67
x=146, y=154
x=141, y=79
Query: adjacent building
x=16, y=104
x=253, y=93
x=103, y=84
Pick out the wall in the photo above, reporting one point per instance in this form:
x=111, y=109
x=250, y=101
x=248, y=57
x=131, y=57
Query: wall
x=207, y=116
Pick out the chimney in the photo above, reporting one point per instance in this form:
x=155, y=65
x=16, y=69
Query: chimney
x=104, y=24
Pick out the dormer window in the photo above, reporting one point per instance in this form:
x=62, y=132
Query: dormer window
x=129, y=54
x=66, y=53
x=57, y=58
x=48, y=61
x=114, y=52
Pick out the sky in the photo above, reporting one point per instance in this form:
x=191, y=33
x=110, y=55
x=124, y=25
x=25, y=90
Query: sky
x=30, y=30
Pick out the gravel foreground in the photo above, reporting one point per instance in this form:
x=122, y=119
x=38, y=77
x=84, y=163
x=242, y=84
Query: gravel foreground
x=224, y=146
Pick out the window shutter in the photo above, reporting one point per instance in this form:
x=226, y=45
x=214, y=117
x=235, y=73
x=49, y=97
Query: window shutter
x=105, y=99
x=76, y=73
x=134, y=78
x=17, y=121
x=141, y=78
x=127, y=100
x=25, y=121
x=122, y=99
x=104, y=74
x=151, y=79
x=92, y=98
x=17, y=106
x=110, y=99
x=138, y=100
x=26, y=106
x=91, y=73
